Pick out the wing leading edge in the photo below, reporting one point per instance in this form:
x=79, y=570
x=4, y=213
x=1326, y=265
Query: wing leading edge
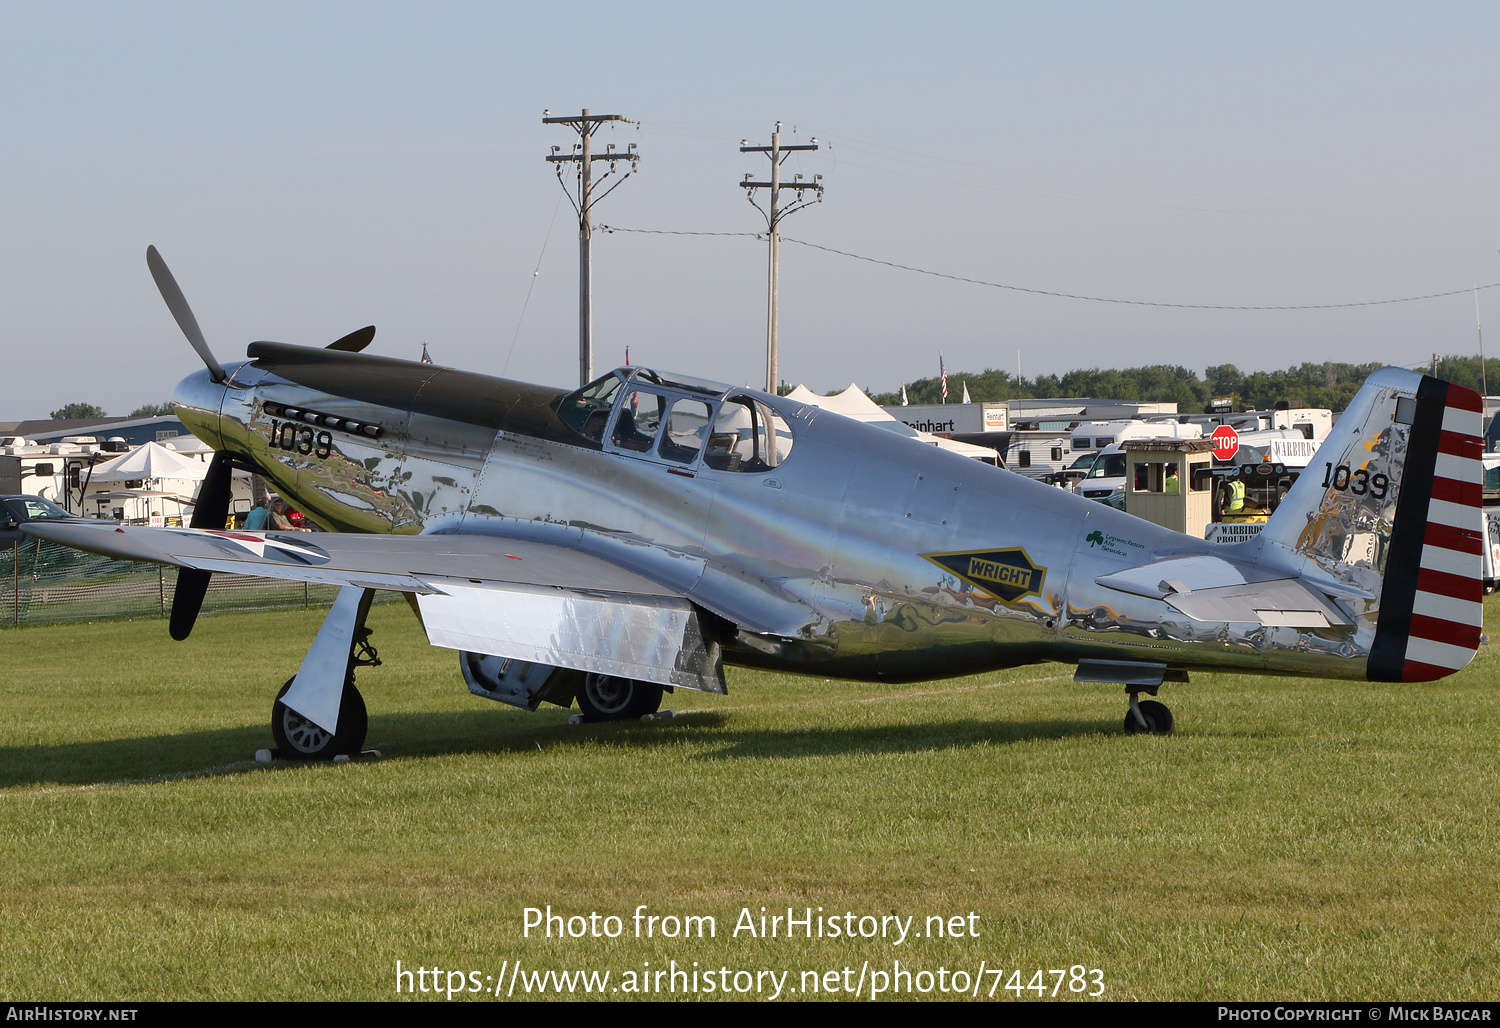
x=512, y=598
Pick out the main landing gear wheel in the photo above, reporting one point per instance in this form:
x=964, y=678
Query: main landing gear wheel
x=607, y=698
x=1158, y=719
x=299, y=739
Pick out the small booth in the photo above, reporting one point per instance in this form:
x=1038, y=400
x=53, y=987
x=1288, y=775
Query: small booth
x=1169, y=482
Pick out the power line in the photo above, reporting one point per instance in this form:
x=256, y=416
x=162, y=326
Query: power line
x=1070, y=296
x=1144, y=303
x=534, y=275
x=993, y=178
x=670, y=232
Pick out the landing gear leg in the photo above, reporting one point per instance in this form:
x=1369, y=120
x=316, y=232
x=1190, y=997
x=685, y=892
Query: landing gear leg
x=1147, y=717
x=319, y=713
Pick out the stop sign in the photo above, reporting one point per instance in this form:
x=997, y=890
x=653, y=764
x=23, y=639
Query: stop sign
x=1226, y=442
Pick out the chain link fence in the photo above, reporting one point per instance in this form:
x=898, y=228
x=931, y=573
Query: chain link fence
x=44, y=583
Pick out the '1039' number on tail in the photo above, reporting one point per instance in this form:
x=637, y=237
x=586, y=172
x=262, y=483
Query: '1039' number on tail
x=1359, y=482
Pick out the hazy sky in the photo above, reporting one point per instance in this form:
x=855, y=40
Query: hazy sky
x=310, y=168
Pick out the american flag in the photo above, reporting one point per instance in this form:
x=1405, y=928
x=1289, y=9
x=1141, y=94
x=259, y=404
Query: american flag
x=425, y=359
x=943, y=372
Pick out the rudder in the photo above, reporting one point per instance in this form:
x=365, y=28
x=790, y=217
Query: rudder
x=1432, y=605
x=1389, y=511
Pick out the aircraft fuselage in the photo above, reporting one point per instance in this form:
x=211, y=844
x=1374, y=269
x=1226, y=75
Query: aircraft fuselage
x=859, y=554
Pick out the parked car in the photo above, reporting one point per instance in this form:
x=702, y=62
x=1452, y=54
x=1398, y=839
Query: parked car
x=16, y=511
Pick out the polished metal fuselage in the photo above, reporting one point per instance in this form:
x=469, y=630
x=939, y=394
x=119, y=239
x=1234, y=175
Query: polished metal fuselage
x=830, y=563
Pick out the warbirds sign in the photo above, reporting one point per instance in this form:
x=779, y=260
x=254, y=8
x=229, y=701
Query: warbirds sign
x=607, y=544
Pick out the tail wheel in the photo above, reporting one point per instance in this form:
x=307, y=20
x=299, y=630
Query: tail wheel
x=607, y=698
x=299, y=739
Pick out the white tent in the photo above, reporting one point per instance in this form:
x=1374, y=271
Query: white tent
x=851, y=403
x=188, y=444
x=170, y=481
x=855, y=403
x=149, y=462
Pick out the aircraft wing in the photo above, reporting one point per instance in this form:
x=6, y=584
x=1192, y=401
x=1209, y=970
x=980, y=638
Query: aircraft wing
x=513, y=598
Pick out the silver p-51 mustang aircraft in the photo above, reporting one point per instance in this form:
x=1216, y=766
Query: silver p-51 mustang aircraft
x=637, y=534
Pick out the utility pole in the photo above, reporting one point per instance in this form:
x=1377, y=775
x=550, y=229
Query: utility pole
x=1484, y=382
x=778, y=154
x=585, y=125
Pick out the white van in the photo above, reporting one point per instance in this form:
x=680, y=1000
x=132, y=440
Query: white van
x=1105, y=480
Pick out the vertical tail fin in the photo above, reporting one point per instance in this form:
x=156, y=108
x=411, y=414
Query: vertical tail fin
x=1432, y=609
x=1389, y=509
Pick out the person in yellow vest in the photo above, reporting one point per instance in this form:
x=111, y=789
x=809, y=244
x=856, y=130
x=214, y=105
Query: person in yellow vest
x=1236, y=492
x=1171, y=483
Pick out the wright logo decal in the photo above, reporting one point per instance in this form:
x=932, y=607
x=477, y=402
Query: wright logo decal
x=1007, y=574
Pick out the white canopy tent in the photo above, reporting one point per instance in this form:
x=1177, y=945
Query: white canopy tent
x=854, y=403
x=149, y=462
x=167, y=483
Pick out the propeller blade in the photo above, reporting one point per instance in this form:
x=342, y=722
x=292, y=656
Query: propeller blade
x=355, y=341
x=187, y=600
x=211, y=511
x=178, y=305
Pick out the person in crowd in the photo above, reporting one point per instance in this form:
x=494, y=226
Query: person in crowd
x=258, y=518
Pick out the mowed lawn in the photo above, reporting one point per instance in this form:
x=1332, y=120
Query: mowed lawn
x=1296, y=839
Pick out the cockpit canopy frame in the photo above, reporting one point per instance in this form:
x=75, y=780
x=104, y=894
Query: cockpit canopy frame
x=679, y=421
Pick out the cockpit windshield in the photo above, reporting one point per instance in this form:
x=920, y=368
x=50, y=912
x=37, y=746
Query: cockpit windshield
x=587, y=410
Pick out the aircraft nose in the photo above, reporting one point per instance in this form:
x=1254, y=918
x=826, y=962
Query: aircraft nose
x=197, y=401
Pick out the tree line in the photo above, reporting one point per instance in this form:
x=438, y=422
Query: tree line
x=71, y=411
x=1328, y=384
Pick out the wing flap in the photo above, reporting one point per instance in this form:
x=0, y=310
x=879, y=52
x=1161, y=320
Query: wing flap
x=649, y=637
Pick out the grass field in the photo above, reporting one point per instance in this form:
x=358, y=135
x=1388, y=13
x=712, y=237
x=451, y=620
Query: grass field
x=1294, y=840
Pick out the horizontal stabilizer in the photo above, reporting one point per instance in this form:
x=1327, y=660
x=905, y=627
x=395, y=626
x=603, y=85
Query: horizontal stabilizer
x=1184, y=574
x=1284, y=603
